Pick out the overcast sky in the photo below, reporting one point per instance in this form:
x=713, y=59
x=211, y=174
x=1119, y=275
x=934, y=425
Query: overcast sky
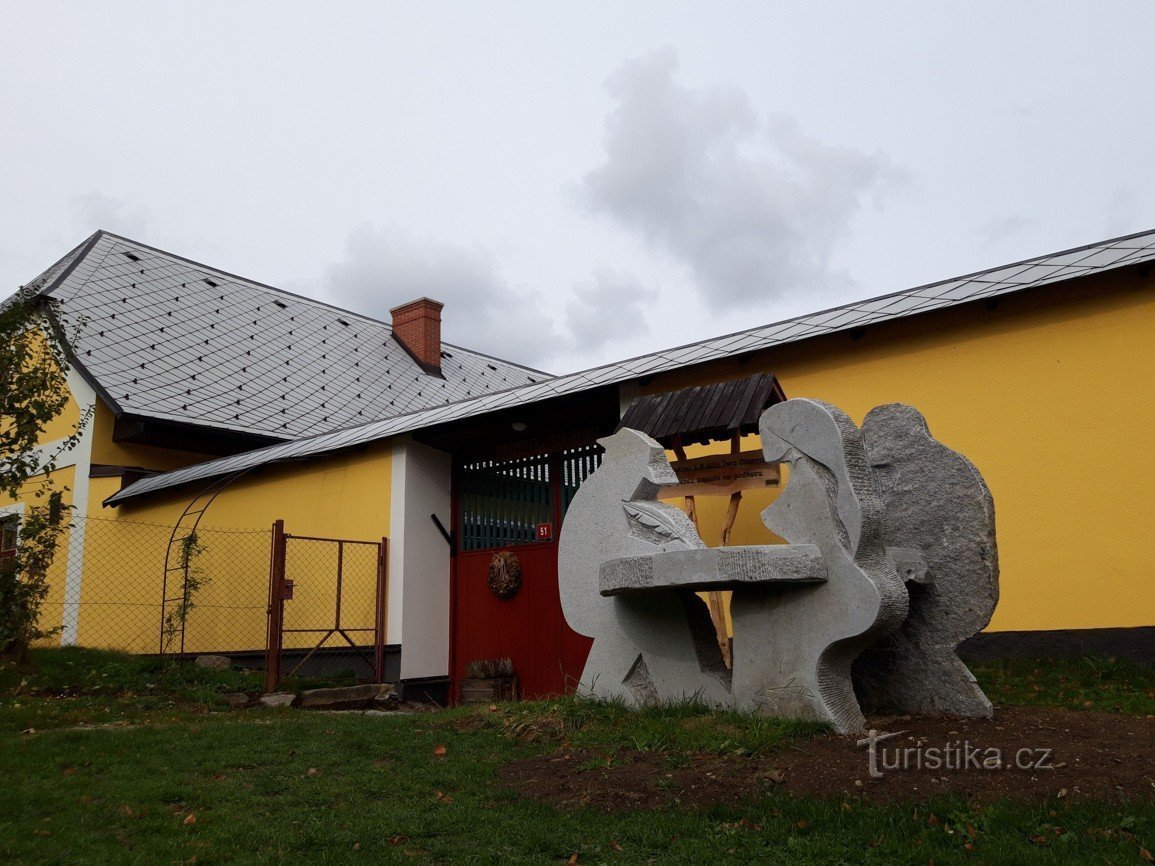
x=579, y=182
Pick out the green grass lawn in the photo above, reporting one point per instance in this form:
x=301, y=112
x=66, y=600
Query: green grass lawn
x=167, y=774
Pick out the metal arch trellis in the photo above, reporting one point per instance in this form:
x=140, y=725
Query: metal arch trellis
x=187, y=524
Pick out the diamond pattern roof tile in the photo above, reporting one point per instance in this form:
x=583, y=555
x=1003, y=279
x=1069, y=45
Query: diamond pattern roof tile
x=168, y=338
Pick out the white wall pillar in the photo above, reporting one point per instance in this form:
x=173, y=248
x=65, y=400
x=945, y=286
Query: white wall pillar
x=419, y=560
x=81, y=457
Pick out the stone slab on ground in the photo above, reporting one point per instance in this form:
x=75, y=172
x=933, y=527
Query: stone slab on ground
x=213, y=663
x=346, y=697
x=278, y=699
x=236, y=699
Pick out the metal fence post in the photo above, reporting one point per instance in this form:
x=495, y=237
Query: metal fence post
x=379, y=623
x=276, y=607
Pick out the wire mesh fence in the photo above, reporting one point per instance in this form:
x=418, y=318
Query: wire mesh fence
x=107, y=589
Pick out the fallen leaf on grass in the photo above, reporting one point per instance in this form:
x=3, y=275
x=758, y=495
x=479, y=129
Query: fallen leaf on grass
x=41, y=833
x=615, y=846
x=398, y=839
x=1147, y=855
x=440, y=751
x=312, y=771
x=573, y=858
x=191, y=819
x=442, y=797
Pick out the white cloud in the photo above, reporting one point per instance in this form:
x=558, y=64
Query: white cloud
x=1005, y=228
x=383, y=268
x=122, y=216
x=1122, y=213
x=751, y=203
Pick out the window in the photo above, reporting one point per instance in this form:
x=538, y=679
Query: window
x=8, y=534
x=8, y=537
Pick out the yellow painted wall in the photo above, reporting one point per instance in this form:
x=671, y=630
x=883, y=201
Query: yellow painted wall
x=346, y=496
x=1049, y=394
x=52, y=610
x=64, y=424
x=60, y=427
x=105, y=451
x=124, y=548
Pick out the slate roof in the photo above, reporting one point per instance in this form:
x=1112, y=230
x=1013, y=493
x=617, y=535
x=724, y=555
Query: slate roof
x=1004, y=280
x=165, y=337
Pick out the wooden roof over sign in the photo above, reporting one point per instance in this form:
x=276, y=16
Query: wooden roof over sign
x=704, y=413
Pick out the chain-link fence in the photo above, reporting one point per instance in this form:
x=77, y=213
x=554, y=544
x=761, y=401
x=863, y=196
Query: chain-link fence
x=107, y=588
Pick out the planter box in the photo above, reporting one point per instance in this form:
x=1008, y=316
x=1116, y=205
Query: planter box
x=479, y=691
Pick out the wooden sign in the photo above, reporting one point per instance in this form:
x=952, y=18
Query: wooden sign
x=721, y=475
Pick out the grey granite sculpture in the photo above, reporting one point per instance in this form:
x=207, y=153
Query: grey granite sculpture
x=655, y=648
x=878, y=522
x=935, y=502
x=793, y=648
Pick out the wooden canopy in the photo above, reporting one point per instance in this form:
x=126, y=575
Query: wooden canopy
x=704, y=413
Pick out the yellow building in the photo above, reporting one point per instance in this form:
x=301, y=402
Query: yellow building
x=1036, y=371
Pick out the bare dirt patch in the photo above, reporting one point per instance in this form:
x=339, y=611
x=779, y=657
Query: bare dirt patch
x=1075, y=755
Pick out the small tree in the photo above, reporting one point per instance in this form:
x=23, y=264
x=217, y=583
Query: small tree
x=33, y=392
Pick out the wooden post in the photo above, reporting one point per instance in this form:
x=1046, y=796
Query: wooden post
x=735, y=497
x=276, y=607
x=382, y=607
x=715, y=600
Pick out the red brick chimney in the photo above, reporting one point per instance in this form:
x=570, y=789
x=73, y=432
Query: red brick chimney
x=417, y=327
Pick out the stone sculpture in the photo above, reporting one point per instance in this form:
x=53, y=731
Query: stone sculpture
x=657, y=648
x=889, y=563
x=936, y=502
x=793, y=649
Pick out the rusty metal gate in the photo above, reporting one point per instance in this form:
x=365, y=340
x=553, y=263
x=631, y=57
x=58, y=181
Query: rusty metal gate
x=325, y=593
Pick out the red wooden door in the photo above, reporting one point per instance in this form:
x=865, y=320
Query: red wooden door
x=499, y=507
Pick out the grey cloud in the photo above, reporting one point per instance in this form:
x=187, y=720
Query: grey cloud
x=750, y=202
x=607, y=308
x=383, y=268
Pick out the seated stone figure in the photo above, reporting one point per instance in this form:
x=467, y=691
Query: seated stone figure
x=934, y=502
x=658, y=647
x=821, y=624
x=794, y=646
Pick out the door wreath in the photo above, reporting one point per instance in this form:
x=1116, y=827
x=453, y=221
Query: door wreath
x=504, y=574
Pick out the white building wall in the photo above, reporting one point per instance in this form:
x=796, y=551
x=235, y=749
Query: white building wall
x=419, y=559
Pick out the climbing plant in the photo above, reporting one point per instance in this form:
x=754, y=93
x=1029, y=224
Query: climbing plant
x=193, y=580
x=33, y=393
